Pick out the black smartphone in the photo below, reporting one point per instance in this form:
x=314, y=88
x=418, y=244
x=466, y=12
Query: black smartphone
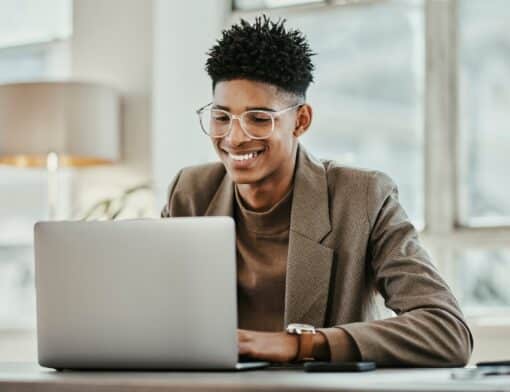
x=339, y=366
x=493, y=363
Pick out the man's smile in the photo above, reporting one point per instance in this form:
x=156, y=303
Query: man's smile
x=243, y=159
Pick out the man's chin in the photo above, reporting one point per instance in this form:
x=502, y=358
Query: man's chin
x=247, y=177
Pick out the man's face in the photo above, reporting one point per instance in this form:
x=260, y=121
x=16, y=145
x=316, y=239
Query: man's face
x=250, y=161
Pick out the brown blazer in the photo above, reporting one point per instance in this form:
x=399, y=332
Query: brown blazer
x=349, y=240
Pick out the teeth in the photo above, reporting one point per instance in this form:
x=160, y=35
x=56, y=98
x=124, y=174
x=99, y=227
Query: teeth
x=243, y=157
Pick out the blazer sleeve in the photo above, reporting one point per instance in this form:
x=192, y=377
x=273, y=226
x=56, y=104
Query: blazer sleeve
x=166, y=212
x=429, y=328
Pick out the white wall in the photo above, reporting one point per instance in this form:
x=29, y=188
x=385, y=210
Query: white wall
x=112, y=43
x=183, y=32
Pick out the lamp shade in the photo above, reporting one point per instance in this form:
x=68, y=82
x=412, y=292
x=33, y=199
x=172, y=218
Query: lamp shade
x=78, y=121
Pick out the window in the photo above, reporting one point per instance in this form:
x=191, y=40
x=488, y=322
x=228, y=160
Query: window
x=25, y=22
x=484, y=101
x=38, y=61
x=482, y=279
x=34, y=39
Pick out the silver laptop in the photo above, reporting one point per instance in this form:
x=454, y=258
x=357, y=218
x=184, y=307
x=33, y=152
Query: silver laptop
x=137, y=294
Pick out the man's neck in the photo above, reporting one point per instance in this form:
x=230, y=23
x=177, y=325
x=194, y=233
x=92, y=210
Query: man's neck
x=262, y=196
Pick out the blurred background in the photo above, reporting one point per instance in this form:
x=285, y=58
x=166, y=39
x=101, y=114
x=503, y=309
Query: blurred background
x=419, y=89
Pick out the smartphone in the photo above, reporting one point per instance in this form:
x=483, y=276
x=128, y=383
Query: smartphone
x=493, y=363
x=339, y=366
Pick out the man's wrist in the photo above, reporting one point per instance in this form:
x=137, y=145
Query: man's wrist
x=320, y=347
x=294, y=339
x=305, y=334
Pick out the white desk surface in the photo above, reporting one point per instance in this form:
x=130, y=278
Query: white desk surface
x=21, y=377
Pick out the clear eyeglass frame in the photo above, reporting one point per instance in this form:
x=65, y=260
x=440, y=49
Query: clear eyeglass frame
x=272, y=114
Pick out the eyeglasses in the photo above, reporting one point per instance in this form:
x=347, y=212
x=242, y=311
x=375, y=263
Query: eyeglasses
x=256, y=124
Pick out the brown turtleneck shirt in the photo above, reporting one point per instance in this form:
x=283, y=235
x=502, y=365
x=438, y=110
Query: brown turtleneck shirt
x=262, y=247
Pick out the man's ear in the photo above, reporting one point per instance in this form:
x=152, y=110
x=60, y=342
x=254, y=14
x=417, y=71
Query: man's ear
x=303, y=120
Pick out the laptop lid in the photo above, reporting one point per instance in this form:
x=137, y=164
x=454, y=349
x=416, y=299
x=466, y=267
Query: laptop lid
x=137, y=294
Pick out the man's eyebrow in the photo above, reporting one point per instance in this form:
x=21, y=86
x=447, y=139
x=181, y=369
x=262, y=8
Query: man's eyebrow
x=247, y=108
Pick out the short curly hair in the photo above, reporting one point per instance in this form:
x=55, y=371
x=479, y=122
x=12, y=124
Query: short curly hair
x=264, y=51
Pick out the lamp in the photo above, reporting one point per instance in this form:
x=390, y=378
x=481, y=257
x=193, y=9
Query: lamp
x=58, y=124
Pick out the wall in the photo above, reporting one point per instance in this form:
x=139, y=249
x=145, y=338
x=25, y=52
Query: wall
x=183, y=32
x=112, y=44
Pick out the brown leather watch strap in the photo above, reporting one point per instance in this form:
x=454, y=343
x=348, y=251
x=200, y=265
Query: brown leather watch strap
x=305, y=351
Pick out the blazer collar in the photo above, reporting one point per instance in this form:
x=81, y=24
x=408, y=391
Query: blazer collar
x=309, y=262
x=222, y=203
x=310, y=209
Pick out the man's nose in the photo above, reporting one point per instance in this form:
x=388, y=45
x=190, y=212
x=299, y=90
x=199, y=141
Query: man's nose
x=236, y=136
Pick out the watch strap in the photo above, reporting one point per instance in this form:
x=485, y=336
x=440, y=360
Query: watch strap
x=305, y=350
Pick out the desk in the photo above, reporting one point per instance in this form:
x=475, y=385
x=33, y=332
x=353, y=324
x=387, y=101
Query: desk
x=24, y=377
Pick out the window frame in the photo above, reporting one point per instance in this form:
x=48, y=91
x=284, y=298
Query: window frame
x=306, y=4
x=299, y=7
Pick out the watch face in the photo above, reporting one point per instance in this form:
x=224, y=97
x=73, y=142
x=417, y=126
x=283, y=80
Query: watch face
x=300, y=328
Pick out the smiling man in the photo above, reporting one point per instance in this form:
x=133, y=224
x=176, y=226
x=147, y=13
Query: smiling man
x=316, y=241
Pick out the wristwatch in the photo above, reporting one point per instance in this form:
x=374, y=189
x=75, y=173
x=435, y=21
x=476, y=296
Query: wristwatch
x=305, y=334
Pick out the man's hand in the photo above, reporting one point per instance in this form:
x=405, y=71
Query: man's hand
x=268, y=346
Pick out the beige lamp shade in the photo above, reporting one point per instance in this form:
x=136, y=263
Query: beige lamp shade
x=78, y=121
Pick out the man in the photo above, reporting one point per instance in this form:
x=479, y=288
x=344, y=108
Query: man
x=316, y=241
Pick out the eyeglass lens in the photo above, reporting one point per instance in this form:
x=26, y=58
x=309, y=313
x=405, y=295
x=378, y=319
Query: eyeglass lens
x=217, y=123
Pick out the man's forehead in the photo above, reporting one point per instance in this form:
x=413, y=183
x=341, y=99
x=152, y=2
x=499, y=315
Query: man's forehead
x=240, y=94
x=241, y=108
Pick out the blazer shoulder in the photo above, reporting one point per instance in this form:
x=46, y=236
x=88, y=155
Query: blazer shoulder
x=367, y=188
x=356, y=194
x=343, y=175
x=192, y=189
x=200, y=178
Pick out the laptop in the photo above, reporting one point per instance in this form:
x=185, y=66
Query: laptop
x=137, y=294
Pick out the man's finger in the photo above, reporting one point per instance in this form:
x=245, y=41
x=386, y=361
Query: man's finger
x=244, y=349
x=244, y=335
x=241, y=336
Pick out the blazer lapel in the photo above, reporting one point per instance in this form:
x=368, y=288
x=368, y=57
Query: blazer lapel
x=309, y=262
x=222, y=203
